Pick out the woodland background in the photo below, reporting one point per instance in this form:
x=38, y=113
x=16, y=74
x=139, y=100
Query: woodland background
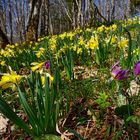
x=25, y=20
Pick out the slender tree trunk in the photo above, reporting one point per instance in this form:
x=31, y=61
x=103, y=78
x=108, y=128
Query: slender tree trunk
x=75, y=16
x=128, y=8
x=79, y=4
x=113, y=10
x=47, y=11
x=60, y=22
x=33, y=20
x=3, y=39
x=23, y=26
x=19, y=22
x=50, y=25
x=3, y=15
x=11, y=21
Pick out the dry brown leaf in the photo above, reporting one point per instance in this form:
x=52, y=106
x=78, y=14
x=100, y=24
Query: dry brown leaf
x=3, y=124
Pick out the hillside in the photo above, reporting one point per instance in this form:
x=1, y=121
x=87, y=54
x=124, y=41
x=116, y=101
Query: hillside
x=79, y=85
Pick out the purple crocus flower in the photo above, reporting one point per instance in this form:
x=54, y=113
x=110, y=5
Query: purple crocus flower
x=136, y=69
x=116, y=65
x=118, y=73
x=47, y=65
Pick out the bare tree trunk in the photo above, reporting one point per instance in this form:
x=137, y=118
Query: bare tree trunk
x=73, y=16
x=33, y=20
x=23, y=18
x=44, y=18
x=3, y=15
x=128, y=9
x=100, y=7
x=47, y=11
x=60, y=22
x=79, y=5
x=11, y=21
x=96, y=14
x=86, y=15
x=75, y=11
x=18, y=21
x=112, y=16
x=3, y=39
x=50, y=25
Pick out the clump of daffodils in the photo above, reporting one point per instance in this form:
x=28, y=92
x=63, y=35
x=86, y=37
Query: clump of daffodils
x=40, y=52
x=7, y=52
x=113, y=27
x=52, y=43
x=76, y=49
x=40, y=66
x=123, y=43
x=92, y=43
x=101, y=29
x=62, y=50
x=104, y=28
x=112, y=39
x=81, y=41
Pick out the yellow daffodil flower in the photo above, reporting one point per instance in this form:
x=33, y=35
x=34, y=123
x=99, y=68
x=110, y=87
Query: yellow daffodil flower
x=74, y=48
x=51, y=78
x=16, y=44
x=79, y=50
x=113, y=27
x=2, y=63
x=62, y=36
x=40, y=52
x=101, y=28
x=92, y=43
x=37, y=66
x=123, y=43
x=88, y=30
x=113, y=39
x=135, y=51
x=9, y=80
x=81, y=41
